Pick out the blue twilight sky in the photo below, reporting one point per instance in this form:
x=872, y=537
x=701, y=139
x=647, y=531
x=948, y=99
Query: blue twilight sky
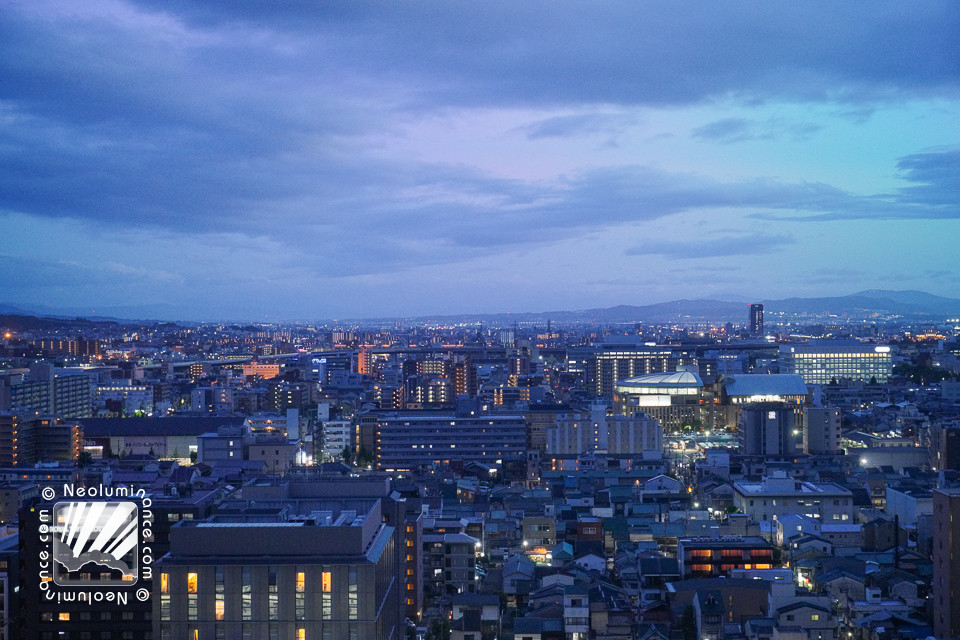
x=254, y=160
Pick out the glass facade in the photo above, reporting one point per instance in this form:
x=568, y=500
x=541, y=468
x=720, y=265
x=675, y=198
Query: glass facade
x=821, y=365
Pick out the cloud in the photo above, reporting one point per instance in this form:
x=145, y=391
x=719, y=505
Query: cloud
x=64, y=274
x=740, y=129
x=623, y=53
x=579, y=124
x=936, y=175
x=210, y=132
x=752, y=244
x=935, y=195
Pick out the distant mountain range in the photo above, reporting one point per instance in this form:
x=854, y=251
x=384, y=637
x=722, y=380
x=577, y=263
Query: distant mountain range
x=913, y=305
x=916, y=305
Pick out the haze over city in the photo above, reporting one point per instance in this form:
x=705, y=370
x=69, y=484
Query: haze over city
x=246, y=160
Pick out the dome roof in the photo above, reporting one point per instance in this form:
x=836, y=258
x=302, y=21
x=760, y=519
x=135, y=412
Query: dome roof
x=672, y=379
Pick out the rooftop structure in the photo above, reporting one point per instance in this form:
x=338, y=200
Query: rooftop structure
x=674, y=398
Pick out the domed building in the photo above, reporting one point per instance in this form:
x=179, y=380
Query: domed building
x=673, y=398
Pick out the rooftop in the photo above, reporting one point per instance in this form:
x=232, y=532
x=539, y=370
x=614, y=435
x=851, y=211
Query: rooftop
x=673, y=379
x=765, y=384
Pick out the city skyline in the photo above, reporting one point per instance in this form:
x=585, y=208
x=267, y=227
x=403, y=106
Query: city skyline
x=245, y=161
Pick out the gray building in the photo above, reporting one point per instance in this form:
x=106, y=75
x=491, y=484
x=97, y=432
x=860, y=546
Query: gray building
x=330, y=577
x=769, y=429
x=821, y=430
x=407, y=440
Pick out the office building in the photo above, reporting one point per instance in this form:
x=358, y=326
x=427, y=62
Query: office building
x=777, y=495
x=946, y=563
x=331, y=577
x=604, y=365
x=407, y=440
x=744, y=389
x=596, y=432
x=756, y=319
x=212, y=399
x=322, y=367
x=821, y=430
x=9, y=585
x=826, y=363
x=945, y=446
x=265, y=370
x=225, y=445
x=769, y=429
x=124, y=398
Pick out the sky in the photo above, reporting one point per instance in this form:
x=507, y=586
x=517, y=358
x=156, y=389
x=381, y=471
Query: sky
x=299, y=161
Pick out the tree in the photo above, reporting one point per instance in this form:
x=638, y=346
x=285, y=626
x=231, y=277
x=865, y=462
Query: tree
x=364, y=457
x=346, y=454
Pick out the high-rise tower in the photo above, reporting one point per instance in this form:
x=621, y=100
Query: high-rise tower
x=756, y=319
x=946, y=563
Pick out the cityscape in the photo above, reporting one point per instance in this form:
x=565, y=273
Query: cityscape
x=796, y=477
x=459, y=320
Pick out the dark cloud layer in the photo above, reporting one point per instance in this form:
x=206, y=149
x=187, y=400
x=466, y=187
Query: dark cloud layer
x=634, y=52
x=267, y=119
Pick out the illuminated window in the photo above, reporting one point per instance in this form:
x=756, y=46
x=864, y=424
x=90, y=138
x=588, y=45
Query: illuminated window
x=191, y=583
x=326, y=581
x=219, y=609
x=301, y=634
x=164, y=583
x=815, y=617
x=301, y=582
x=64, y=617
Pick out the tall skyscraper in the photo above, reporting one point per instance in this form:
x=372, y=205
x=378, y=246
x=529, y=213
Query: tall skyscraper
x=756, y=319
x=946, y=563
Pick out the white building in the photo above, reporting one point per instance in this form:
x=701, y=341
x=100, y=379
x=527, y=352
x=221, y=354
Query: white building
x=778, y=495
x=336, y=436
x=821, y=363
x=596, y=432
